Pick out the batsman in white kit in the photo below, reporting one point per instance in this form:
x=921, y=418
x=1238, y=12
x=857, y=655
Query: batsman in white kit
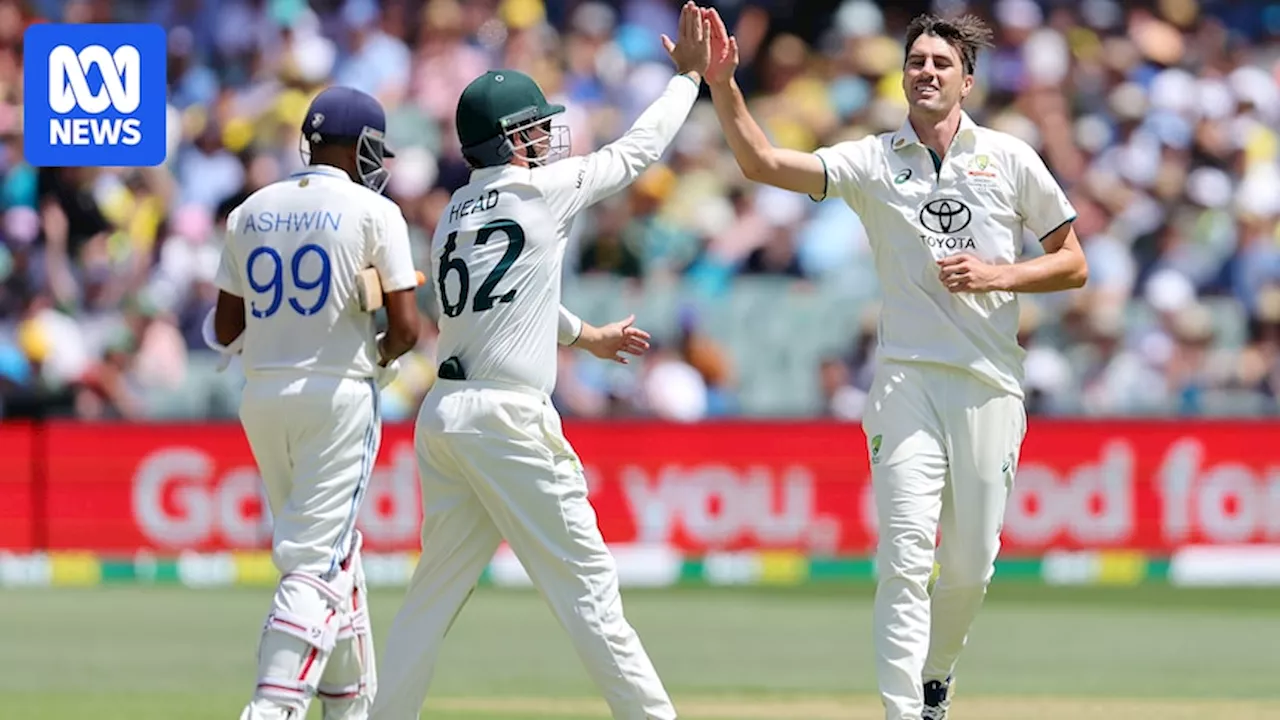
x=493, y=460
x=945, y=204
x=290, y=306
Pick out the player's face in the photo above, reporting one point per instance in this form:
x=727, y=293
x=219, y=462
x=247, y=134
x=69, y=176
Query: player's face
x=934, y=78
x=540, y=139
x=540, y=144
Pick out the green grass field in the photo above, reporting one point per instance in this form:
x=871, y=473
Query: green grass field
x=1043, y=653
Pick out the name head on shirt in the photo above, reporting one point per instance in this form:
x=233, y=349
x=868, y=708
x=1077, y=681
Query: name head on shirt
x=471, y=206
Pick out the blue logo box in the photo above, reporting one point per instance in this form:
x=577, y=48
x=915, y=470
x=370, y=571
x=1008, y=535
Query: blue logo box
x=95, y=95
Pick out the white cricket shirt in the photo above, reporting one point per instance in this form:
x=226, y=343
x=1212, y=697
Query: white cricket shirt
x=991, y=186
x=293, y=250
x=497, y=252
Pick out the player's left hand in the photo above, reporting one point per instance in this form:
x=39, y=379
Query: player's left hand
x=615, y=341
x=966, y=273
x=724, y=50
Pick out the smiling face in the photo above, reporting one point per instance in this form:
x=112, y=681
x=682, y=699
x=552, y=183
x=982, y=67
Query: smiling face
x=934, y=78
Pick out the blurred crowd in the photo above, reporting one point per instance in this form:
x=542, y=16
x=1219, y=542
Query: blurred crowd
x=1160, y=118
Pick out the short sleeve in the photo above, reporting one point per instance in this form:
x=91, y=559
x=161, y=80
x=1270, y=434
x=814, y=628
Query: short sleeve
x=228, y=277
x=1042, y=204
x=390, y=252
x=847, y=165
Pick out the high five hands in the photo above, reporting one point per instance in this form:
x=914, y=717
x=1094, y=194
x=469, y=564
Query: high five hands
x=691, y=51
x=703, y=45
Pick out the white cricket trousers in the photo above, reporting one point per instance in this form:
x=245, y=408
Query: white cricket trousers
x=494, y=465
x=944, y=448
x=315, y=439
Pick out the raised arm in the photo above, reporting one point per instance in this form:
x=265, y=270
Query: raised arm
x=759, y=160
x=577, y=183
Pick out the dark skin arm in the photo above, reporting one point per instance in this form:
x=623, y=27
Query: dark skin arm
x=228, y=318
x=402, y=325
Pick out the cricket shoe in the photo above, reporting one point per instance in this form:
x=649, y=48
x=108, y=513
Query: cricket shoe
x=937, y=699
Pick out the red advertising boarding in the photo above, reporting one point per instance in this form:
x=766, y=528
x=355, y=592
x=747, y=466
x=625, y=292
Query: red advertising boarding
x=800, y=486
x=16, y=474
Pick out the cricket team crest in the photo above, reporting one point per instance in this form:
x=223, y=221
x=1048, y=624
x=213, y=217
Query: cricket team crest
x=875, y=449
x=981, y=167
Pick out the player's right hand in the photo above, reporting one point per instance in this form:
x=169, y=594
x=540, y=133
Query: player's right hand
x=724, y=50
x=691, y=52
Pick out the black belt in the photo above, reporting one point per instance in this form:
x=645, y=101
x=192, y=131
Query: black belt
x=451, y=369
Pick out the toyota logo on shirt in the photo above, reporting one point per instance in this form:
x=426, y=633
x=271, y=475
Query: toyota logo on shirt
x=945, y=216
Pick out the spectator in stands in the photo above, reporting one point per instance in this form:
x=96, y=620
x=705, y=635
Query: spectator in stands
x=841, y=400
x=671, y=388
x=704, y=354
x=1115, y=379
x=1049, y=382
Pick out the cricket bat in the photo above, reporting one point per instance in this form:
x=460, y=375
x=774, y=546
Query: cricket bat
x=369, y=289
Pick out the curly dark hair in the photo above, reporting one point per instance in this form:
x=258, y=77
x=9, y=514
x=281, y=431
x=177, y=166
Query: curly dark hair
x=967, y=35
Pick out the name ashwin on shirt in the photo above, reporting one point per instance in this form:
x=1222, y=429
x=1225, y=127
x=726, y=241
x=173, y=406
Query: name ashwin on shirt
x=265, y=222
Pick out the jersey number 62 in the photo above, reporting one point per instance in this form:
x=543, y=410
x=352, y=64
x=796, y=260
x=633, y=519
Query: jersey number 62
x=274, y=285
x=484, y=299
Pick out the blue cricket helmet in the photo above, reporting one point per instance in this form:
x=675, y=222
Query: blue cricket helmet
x=346, y=116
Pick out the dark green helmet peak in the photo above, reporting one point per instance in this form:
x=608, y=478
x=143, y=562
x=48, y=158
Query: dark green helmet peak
x=495, y=114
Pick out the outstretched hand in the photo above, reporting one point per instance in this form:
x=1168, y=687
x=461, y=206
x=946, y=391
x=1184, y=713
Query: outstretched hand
x=724, y=49
x=691, y=51
x=615, y=340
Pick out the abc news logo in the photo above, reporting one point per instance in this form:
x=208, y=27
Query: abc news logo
x=121, y=90
x=96, y=95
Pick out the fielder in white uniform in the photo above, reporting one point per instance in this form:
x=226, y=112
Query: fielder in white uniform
x=309, y=409
x=945, y=204
x=493, y=460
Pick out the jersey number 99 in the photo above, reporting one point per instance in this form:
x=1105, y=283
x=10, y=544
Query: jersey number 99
x=304, y=283
x=484, y=299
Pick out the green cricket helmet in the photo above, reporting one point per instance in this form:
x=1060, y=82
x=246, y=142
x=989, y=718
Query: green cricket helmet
x=504, y=113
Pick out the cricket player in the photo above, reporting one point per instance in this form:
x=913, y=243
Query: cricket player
x=310, y=405
x=945, y=203
x=492, y=458
x=310, y=402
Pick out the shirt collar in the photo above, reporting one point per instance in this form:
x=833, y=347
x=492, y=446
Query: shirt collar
x=322, y=170
x=490, y=171
x=906, y=135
